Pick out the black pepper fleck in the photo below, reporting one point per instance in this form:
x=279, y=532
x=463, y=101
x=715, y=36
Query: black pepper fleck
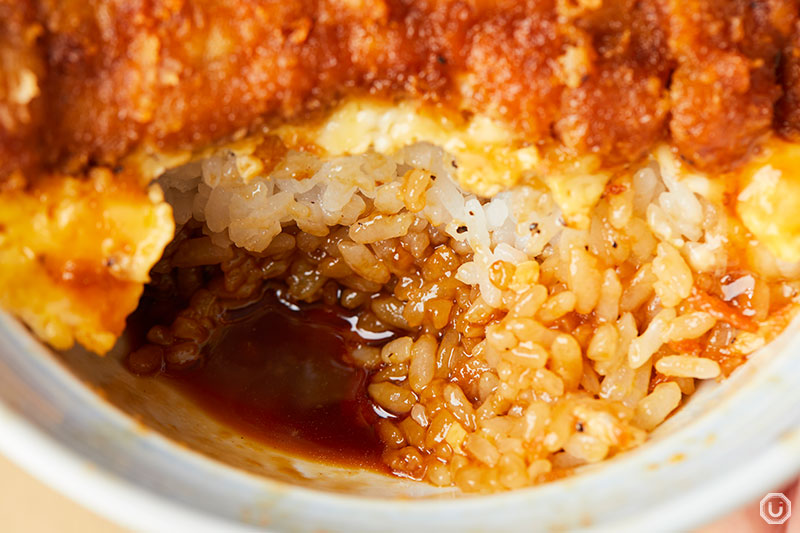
x=461, y=229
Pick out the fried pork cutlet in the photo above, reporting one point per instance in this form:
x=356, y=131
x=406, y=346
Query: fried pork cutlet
x=609, y=77
x=85, y=84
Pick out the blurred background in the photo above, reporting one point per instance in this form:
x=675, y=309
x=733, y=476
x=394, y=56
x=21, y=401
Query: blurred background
x=29, y=506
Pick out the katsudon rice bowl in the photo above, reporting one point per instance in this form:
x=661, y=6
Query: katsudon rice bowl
x=545, y=259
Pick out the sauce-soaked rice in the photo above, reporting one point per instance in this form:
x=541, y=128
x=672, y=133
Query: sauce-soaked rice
x=510, y=367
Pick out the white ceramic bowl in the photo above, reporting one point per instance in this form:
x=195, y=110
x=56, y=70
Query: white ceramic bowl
x=138, y=453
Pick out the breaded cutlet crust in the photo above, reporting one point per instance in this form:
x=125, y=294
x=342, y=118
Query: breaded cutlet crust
x=605, y=77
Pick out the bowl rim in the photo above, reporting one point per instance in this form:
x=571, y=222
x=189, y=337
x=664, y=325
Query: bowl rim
x=132, y=505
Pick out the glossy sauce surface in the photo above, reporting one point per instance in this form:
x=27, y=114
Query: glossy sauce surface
x=277, y=373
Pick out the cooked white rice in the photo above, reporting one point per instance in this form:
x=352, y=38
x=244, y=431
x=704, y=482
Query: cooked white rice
x=582, y=340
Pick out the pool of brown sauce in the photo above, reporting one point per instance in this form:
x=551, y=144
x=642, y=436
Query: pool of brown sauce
x=276, y=372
